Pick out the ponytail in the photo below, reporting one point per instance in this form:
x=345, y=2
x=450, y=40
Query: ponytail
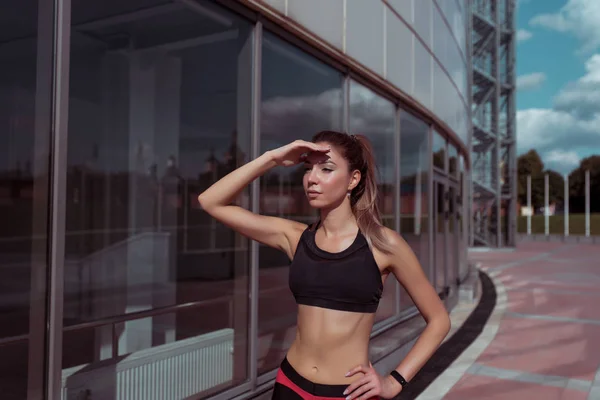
x=364, y=199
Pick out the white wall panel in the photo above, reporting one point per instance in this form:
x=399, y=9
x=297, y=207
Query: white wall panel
x=443, y=6
x=462, y=124
x=439, y=92
x=323, y=18
x=457, y=22
x=446, y=48
x=440, y=38
x=380, y=40
x=422, y=12
x=400, y=53
x=404, y=8
x=457, y=69
x=364, y=33
x=279, y=5
x=423, y=74
x=454, y=17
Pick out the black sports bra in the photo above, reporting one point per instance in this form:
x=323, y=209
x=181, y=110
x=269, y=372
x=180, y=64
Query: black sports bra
x=349, y=280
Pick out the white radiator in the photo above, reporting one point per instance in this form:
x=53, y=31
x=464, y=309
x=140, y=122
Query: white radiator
x=168, y=372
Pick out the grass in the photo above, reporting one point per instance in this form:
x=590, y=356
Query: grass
x=557, y=224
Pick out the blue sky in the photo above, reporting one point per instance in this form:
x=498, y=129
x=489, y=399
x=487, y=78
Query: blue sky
x=558, y=79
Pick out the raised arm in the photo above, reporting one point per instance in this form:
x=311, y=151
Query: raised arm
x=271, y=231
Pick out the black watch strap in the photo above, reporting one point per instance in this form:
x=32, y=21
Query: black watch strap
x=399, y=378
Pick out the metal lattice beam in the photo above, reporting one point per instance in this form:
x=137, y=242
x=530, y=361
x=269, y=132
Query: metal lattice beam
x=493, y=143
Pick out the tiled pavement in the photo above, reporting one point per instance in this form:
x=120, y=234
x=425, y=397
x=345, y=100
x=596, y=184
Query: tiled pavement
x=542, y=341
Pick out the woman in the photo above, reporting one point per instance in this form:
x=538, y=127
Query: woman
x=338, y=267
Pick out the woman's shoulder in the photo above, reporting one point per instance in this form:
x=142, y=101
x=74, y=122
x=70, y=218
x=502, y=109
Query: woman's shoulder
x=394, y=243
x=297, y=229
x=392, y=237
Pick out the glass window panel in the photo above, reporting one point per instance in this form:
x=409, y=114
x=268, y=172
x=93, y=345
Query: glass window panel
x=439, y=239
x=460, y=129
x=439, y=151
x=462, y=222
x=159, y=110
x=364, y=42
x=452, y=252
x=423, y=74
x=300, y=96
x=25, y=113
x=461, y=120
x=373, y=116
x=452, y=160
x=414, y=192
x=440, y=99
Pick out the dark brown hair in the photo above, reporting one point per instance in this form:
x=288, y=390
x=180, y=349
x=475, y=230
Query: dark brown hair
x=357, y=150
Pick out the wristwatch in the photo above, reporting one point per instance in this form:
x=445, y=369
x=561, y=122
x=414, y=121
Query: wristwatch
x=399, y=378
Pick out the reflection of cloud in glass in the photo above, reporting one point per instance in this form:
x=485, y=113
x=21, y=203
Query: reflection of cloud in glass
x=370, y=113
x=299, y=117
x=413, y=145
x=374, y=117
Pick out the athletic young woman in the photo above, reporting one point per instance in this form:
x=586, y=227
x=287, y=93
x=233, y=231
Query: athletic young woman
x=338, y=267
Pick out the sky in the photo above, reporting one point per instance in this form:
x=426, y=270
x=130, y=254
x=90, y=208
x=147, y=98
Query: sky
x=558, y=80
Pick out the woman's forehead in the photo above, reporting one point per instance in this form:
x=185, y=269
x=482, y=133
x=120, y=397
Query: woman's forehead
x=332, y=156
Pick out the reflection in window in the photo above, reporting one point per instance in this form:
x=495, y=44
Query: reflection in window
x=414, y=196
x=300, y=96
x=374, y=117
x=159, y=110
x=452, y=253
x=461, y=212
x=439, y=151
x=439, y=240
x=24, y=153
x=452, y=160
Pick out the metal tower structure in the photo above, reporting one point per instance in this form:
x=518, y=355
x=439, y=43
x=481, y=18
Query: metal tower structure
x=493, y=112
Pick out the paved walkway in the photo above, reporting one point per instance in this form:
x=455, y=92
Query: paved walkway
x=542, y=341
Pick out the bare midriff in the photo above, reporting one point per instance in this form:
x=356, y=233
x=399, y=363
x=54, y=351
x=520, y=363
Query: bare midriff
x=329, y=343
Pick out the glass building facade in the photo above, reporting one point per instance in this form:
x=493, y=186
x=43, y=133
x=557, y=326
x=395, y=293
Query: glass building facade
x=115, y=115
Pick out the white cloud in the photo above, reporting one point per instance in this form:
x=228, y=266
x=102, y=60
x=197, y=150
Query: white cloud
x=287, y=118
x=582, y=98
x=531, y=81
x=592, y=67
x=578, y=17
x=570, y=127
x=549, y=131
x=523, y=35
x=563, y=158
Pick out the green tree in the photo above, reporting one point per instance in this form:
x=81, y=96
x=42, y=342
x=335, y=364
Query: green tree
x=531, y=163
x=556, y=187
x=577, y=185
